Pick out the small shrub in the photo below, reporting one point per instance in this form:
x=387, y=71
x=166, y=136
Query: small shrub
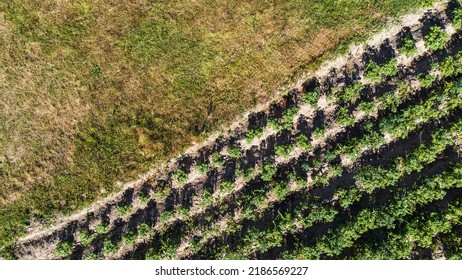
x=319, y=132
x=426, y=80
x=408, y=48
x=110, y=248
x=166, y=216
x=91, y=256
x=254, y=133
x=367, y=107
x=436, y=39
x=162, y=193
x=86, y=237
x=234, y=152
x=183, y=212
x=64, y=249
x=344, y=118
x=203, y=168
x=102, y=228
x=312, y=97
x=351, y=93
x=451, y=66
x=246, y=174
x=180, y=176
x=284, y=150
x=281, y=190
x=144, y=230
x=288, y=117
x=207, y=198
x=303, y=143
x=377, y=73
x=457, y=20
x=268, y=170
x=124, y=209
x=129, y=238
x=274, y=124
x=143, y=198
x=217, y=160
x=225, y=187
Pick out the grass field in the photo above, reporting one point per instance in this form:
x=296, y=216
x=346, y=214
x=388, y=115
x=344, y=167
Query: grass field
x=92, y=92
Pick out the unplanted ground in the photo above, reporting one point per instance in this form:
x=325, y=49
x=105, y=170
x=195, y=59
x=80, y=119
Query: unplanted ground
x=92, y=92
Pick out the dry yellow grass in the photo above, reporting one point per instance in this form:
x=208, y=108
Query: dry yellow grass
x=97, y=91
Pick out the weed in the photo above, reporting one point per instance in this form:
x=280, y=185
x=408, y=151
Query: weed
x=143, y=199
x=124, y=209
x=312, y=97
x=225, y=187
x=254, y=133
x=426, y=80
x=166, y=216
x=102, y=228
x=207, y=198
x=436, y=39
x=129, y=238
x=161, y=193
x=457, y=20
x=303, y=142
x=408, y=48
x=319, y=132
x=180, y=176
x=344, y=118
x=64, y=249
x=367, y=107
x=91, y=256
x=203, y=168
x=217, y=160
x=234, y=152
x=288, y=117
x=350, y=94
x=283, y=150
x=268, y=170
x=109, y=248
x=281, y=190
x=85, y=237
x=144, y=230
x=377, y=73
x=183, y=212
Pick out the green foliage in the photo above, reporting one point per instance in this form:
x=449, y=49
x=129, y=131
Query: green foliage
x=143, y=198
x=348, y=196
x=408, y=48
x=451, y=66
x=304, y=143
x=203, y=168
x=129, y=238
x=268, y=170
x=457, y=20
x=312, y=97
x=426, y=80
x=144, y=230
x=102, y=228
x=180, y=176
x=351, y=93
x=85, y=237
x=225, y=187
x=91, y=256
x=367, y=107
x=283, y=150
x=281, y=190
x=110, y=248
x=161, y=193
x=206, y=199
x=64, y=249
x=124, y=209
x=285, y=122
x=254, y=133
x=234, y=152
x=377, y=73
x=166, y=216
x=436, y=39
x=319, y=132
x=344, y=118
x=217, y=160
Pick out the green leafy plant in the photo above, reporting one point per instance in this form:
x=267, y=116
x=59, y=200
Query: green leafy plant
x=351, y=93
x=281, y=190
x=143, y=198
x=284, y=150
x=457, y=20
x=436, y=39
x=166, y=216
x=268, y=170
x=64, y=249
x=225, y=187
x=367, y=107
x=162, y=193
x=85, y=237
x=319, y=132
x=144, y=230
x=124, y=209
x=180, y=176
x=254, y=133
x=377, y=73
x=217, y=160
x=203, y=168
x=408, y=48
x=344, y=118
x=234, y=152
x=129, y=238
x=312, y=97
x=303, y=142
x=426, y=80
x=110, y=248
x=102, y=228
